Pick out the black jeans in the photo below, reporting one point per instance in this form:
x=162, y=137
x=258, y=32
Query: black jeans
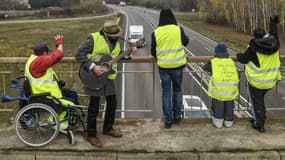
x=93, y=110
x=257, y=98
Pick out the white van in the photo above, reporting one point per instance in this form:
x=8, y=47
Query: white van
x=122, y=3
x=136, y=35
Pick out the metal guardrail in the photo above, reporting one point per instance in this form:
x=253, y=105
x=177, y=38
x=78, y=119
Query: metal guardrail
x=142, y=59
x=73, y=70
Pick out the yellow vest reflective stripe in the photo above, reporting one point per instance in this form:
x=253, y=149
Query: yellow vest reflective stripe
x=265, y=76
x=101, y=48
x=169, y=49
x=45, y=83
x=223, y=85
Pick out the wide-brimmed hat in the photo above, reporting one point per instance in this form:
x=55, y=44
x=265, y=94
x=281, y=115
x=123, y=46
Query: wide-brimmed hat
x=111, y=29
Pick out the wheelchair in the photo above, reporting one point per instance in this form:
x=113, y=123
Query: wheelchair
x=36, y=123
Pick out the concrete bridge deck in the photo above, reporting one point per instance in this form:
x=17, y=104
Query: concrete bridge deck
x=147, y=139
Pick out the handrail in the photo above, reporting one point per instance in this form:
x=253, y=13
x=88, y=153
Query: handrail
x=143, y=59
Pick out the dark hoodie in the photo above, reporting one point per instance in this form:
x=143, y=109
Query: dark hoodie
x=166, y=18
x=267, y=45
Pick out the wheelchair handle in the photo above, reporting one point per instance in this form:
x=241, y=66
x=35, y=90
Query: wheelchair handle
x=20, y=77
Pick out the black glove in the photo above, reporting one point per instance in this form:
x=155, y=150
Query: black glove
x=275, y=19
x=61, y=83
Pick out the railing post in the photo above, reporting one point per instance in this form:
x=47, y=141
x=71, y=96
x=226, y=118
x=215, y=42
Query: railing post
x=4, y=88
x=153, y=92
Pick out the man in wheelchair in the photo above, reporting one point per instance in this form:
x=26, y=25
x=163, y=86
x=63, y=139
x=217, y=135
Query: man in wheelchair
x=42, y=79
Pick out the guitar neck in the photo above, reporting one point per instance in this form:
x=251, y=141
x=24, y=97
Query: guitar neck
x=117, y=58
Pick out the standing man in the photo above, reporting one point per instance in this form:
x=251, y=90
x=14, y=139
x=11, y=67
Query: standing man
x=223, y=86
x=104, y=42
x=261, y=69
x=167, y=48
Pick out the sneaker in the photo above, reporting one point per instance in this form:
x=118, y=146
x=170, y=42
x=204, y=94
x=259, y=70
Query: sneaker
x=228, y=124
x=168, y=125
x=259, y=129
x=177, y=120
x=218, y=123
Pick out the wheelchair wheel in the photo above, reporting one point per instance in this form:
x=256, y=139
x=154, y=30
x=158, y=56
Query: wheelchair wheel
x=36, y=124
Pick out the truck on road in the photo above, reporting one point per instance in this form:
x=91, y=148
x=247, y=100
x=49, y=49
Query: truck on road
x=136, y=35
x=122, y=3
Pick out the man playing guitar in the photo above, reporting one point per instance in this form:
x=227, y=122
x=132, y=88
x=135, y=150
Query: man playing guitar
x=100, y=47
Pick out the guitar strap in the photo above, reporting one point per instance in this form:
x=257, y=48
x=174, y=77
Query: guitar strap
x=110, y=44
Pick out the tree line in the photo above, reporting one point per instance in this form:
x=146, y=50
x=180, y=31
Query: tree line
x=36, y=4
x=182, y=5
x=52, y=3
x=68, y=7
x=243, y=15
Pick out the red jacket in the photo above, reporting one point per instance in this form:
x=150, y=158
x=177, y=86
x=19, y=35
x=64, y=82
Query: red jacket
x=42, y=63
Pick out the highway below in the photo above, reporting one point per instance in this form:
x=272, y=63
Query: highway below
x=142, y=89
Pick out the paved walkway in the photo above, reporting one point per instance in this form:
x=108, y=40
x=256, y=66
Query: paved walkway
x=147, y=139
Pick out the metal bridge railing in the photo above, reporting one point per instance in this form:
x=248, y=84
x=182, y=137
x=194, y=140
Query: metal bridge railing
x=143, y=92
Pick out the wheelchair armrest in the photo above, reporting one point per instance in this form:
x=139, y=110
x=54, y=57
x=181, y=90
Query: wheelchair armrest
x=40, y=95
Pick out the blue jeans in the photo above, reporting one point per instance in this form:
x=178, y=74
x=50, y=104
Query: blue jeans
x=171, y=78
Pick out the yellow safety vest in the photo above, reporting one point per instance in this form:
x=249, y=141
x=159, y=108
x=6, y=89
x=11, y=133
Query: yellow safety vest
x=45, y=83
x=100, y=48
x=223, y=85
x=169, y=48
x=265, y=76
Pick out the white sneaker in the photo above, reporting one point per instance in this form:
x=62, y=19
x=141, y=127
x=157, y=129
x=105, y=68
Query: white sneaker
x=218, y=123
x=228, y=124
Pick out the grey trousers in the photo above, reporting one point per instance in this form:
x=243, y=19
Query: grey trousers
x=223, y=109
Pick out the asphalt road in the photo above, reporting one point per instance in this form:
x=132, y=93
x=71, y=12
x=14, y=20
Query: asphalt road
x=139, y=93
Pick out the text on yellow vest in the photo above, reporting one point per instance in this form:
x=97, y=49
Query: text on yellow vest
x=223, y=85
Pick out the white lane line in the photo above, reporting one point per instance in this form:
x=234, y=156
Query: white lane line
x=123, y=103
x=196, y=80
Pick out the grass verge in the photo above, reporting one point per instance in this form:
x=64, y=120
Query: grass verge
x=19, y=39
x=237, y=41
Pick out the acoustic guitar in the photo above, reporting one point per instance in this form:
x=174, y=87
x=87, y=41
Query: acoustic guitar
x=95, y=82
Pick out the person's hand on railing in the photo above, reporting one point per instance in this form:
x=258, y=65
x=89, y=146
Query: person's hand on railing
x=134, y=50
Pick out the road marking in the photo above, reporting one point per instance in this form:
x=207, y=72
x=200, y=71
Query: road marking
x=195, y=79
x=123, y=68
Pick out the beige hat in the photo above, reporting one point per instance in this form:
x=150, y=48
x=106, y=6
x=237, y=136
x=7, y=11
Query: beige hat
x=111, y=29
